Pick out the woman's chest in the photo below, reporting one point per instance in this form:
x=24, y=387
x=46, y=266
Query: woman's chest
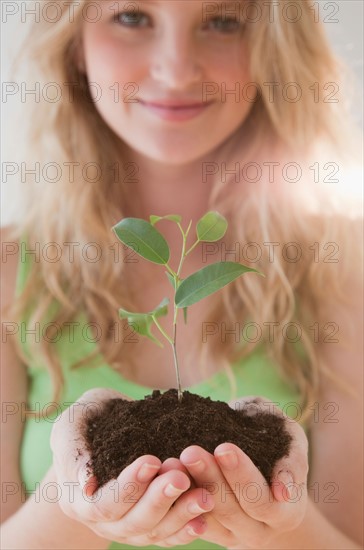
x=146, y=363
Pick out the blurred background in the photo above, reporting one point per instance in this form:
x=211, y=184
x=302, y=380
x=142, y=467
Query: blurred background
x=342, y=19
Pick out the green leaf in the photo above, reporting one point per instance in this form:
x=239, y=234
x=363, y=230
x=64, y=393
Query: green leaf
x=185, y=315
x=161, y=309
x=172, y=217
x=154, y=219
x=208, y=280
x=171, y=279
x=211, y=227
x=150, y=244
x=142, y=322
x=143, y=328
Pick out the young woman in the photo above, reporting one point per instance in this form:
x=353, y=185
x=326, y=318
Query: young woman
x=183, y=107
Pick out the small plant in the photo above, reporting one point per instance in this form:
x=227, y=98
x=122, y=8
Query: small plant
x=126, y=429
x=148, y=242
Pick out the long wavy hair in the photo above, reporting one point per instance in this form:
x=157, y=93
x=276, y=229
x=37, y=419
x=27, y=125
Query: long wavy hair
x=279, y=209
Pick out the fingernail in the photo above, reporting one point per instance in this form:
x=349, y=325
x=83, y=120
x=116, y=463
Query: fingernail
x=194, y=508
x=83, y=475
x=198, y=466
x=172, y=491
x=146, y=472
x=289, y=490
x=87, y=481
x=285, y=476
x=228, y=459
x=287, y=479
x=89, y=488
x=190, y=530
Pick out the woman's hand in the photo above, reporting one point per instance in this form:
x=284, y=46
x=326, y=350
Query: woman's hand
x=138, y=508
x=248, y=513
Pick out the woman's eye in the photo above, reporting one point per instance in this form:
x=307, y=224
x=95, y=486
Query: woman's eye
x=225, y=24
x=132, y=19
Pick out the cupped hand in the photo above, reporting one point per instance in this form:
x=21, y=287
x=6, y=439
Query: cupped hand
x=146, y=504
x=249, y=512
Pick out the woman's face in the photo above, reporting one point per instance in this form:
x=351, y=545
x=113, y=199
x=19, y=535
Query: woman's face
x=168, y=76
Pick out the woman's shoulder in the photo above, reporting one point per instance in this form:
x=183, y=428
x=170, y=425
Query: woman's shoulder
x=9, y=264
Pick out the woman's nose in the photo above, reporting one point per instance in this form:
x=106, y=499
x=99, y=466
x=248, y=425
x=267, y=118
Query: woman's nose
x=175, y=62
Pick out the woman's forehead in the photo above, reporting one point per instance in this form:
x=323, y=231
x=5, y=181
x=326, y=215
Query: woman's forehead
x=183, y=9
x=227, y=5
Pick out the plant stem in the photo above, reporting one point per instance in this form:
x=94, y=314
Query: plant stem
x=170, y=270
x=180, y=392
x=183, y=251
x=192, y=247
x=175, y=309
x=176, y=277
x=163, y=332
x=172, y=341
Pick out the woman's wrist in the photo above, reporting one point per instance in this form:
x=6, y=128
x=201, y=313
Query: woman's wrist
x=40, y=523
x=314, y=533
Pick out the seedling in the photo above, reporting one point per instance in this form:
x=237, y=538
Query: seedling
x=149, y=243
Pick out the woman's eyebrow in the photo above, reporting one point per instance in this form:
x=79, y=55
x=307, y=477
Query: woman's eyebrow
x=153, y=1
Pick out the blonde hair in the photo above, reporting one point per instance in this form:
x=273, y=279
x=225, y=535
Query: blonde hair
x=266, y=212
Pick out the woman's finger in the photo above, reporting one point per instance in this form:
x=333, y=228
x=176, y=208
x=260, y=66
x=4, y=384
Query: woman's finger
x=172, y=464
x=150, y=508
x=185, y=535
x=229, y=507
x=175, y=464
x=67, y=440
x=248, y=483
x=190, y=506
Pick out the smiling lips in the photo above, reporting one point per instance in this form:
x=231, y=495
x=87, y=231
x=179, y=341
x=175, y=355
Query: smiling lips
x=176, y=110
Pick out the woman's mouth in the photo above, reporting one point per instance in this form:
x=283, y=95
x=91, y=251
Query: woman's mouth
x=175, y=111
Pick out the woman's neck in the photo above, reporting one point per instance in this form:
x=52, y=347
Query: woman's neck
x=165, y=189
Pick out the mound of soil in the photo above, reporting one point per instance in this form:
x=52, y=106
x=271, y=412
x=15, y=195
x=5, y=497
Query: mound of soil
x=160, y=425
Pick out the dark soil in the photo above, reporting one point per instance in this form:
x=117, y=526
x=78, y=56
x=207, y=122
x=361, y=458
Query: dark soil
x=160, y=425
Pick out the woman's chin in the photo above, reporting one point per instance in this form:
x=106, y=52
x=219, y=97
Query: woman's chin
x=171, y=156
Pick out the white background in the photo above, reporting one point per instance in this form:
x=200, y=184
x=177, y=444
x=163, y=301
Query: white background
x=346, y=36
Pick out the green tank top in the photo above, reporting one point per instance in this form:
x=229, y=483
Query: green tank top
x=254, y=375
